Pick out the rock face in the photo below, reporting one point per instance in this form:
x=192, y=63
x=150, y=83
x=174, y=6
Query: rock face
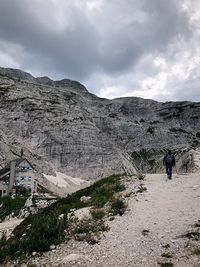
x=62, y=127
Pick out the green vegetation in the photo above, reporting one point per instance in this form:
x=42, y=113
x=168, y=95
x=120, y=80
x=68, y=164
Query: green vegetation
x=53, y=225
x=192, y=235
x=166, y=264
x=10, y=205
x=118, y=206
x=98, y=214
x=141, y=189
x=87, y=229
x=167, y=255
x=196, y=251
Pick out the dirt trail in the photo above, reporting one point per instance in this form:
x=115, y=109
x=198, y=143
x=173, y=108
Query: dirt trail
x=166, y=210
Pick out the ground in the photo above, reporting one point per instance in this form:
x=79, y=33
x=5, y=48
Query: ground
x=7, y=226
x=151, y=226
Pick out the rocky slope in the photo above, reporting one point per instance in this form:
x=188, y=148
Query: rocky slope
x=62, y=127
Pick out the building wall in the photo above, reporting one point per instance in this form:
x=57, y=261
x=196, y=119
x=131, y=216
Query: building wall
x=25, y=176
x=4, y=184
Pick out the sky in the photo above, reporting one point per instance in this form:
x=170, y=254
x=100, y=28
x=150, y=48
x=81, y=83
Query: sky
x=116, y=48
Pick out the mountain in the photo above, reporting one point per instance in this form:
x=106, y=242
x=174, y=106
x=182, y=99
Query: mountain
x=62, y=127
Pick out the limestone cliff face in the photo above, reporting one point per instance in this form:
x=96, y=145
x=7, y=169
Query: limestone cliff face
x=62, y=127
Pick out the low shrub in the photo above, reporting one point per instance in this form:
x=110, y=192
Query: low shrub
x=37, y=232
x=87, y=229
x=98, y=214
x=11, y=205
x=118, y=206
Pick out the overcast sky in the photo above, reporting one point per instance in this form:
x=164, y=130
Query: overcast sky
x=145, y=48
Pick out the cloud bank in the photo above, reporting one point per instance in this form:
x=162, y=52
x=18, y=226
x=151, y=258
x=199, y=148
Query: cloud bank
x=116, y=48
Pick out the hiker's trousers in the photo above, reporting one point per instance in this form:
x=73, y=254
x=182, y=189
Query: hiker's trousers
x=169, y=167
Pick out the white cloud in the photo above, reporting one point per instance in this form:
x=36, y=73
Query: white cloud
x=117, y=48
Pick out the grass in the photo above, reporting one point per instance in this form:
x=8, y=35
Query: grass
x=37, y=232
x=11, y=205
x=141, y=189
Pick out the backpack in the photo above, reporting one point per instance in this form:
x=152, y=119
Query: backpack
x=169, y=159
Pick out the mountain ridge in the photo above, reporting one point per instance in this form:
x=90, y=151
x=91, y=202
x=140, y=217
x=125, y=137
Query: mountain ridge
x=65, y=128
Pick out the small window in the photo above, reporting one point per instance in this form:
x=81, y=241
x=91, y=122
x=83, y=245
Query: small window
x=4, y=191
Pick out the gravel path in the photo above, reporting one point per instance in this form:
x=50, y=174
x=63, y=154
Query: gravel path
x=166, y=210
x=8, y=226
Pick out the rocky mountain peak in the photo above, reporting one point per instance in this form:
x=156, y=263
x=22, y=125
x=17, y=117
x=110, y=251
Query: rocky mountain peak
x=64, y=128
x=16, y=74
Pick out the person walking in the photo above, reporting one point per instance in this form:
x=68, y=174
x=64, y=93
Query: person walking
x=169, y=162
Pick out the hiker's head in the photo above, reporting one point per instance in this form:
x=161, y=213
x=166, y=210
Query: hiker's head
x=169, y=152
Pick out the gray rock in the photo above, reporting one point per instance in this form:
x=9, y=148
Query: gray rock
x=52, y=247
x=62, y=127
x=85, y=199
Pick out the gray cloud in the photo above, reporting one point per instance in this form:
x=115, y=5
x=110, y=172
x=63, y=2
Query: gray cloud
x=101, y=43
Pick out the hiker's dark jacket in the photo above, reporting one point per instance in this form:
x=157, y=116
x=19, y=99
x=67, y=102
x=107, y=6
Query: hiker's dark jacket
x=173, y=160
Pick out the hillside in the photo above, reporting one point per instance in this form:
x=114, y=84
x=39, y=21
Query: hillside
x=161, y=228
x=64, y=128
